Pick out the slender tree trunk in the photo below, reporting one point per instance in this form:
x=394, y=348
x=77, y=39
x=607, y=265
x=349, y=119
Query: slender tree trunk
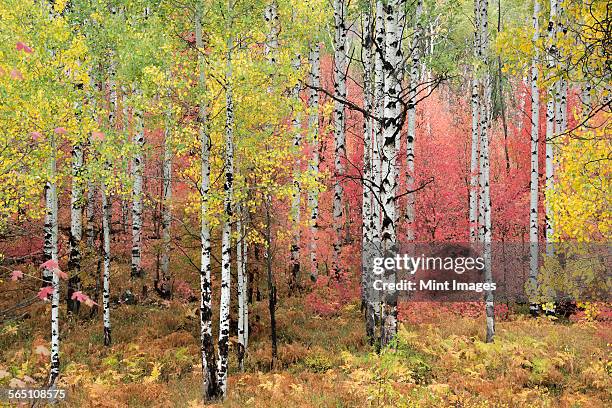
x=485, y=205
x=411, y=135
x=52, y=205
x=125, y=164
x=47, y=274
x=271, y=51
x=313, y=130
x=373, y=317
x=534, y=180
x=245, y=282
x=226, y=244
x=137, y=173
x=209, y=375
x=394, y=17
x=76, y=228
x=297, y=190
x=106, y=226
x=90, y=213
x=271, y=283
x=550, y=127
x=500, y=88
x=366, y=198
x=475, y=150
x=340, y=67
x=378, y=108
x=165, y=288
x=241, y=289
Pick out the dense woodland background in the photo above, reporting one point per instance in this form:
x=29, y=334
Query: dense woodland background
x=192, y=191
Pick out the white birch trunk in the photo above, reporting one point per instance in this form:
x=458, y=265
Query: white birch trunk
x=90, y=213
x=245, y=285
x=391, y=133
x=226, y=245
x=485, y=228
x=125, y=163
x=165, y=285
x=534, y=180
x=54, y=235
x=550, y=127
x=271, y=45
x=340, y=67
x=209, y=381
x=378, y=109
x=137, y=172
x=313, y=131
x=366, y=198
x=106, y=225
x=475, y=151
x=297, y=190
x=411, y=134
x=241, y=248
x=76, y=227
x=47, y=275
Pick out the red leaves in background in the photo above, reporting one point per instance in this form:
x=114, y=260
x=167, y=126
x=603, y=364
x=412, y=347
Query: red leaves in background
x=50, y=264
x=16, y=74
x=23, y=47
x=16, y=275
x=44, y=293
x=36, y=136
x=97, y=136
x=83, y=298
x=53, y=266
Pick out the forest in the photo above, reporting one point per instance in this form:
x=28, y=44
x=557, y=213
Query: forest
x=249, y=203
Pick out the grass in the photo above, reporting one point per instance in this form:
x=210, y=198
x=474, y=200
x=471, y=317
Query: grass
x=323, y=361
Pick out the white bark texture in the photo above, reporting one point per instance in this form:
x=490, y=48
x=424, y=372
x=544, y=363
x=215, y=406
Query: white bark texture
x=52, y=206
x=340, y=67
x=550, y=125
x=209, y=381
x=106, y=225
x=475, y=151
x=377, y=127
x=166, y=208
x=297, y=189
x=313, y=131
x=226, y=244
x=137, y=173
x=241, y=264
x=76, y=226
x=367, y=219
x=534, y=179
x=485, y=123
x=415, y=50
x=393, y=70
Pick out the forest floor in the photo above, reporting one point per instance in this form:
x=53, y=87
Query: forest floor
x=439, y=360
